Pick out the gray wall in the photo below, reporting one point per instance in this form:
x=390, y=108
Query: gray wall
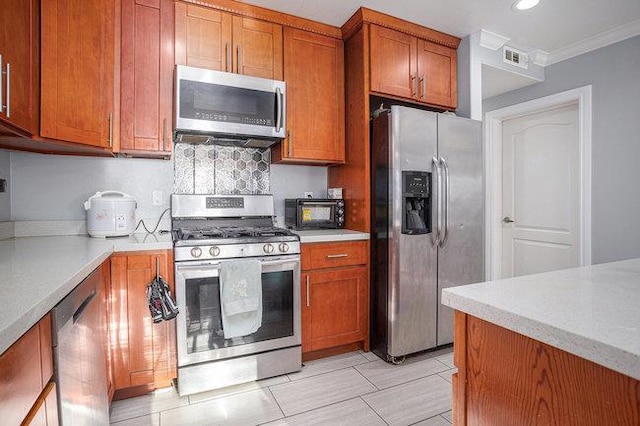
x=614, y=73
x=464, y=79
x=54, y=187
x=5, y=197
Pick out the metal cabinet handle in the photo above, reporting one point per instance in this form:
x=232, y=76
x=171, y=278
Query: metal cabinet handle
x=239, y=57
x=164, y=134
x=308, y=301
x=445, y=204
x=414, y=86
x=279, y=108
x=111, y=130
x=336, y=256
x=507, y=219
x=290, y=142
x=7, y=106
x=423, y=86
x=227, y=57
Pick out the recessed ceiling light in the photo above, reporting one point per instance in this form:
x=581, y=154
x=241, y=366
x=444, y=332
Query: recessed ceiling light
x=524, y=4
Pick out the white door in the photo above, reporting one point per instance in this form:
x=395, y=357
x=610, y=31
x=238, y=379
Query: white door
x=540, y=192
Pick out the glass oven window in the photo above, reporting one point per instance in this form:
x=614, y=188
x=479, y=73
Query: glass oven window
x=204, y=320
x=214, y=102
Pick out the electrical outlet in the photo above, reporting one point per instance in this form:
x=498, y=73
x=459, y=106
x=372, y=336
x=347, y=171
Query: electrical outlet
x=308, y=194
x=157, y=198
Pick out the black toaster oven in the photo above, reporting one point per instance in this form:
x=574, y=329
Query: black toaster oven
x=314, y=213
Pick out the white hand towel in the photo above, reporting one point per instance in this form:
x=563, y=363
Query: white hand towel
x=241, y=297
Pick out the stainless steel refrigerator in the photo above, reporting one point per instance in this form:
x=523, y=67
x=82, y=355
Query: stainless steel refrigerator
x=427, y=225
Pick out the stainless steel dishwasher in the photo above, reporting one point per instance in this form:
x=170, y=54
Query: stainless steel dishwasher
x=79, y=355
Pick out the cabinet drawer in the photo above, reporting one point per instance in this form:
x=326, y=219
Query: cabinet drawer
x=332, y=255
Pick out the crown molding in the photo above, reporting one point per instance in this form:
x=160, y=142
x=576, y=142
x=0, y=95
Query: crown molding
x=491, y=40
x=606, y=38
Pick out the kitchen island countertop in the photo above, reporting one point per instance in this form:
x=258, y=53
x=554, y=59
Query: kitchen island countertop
x=592, y=312
x=38, y=272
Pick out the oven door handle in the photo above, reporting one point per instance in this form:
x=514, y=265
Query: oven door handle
x=207, y=267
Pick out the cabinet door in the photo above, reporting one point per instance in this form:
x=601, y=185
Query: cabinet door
x=337, y=309
x=315, y=99
x=77, y=91
x=19, y=43
x=257, y=48
x=203, y=37
x=393, y=62
x=106, y=310
x=143, y=352
x=437, y=73
x=146, y=78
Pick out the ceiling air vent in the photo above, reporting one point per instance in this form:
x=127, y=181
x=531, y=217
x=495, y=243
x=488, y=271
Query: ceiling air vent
x=515, y=57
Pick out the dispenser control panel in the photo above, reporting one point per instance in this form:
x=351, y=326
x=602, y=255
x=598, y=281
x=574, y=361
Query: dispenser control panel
x=416, y=202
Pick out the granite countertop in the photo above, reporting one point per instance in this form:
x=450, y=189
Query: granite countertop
x=592, y=312
x=38, y=272
x=331, y=235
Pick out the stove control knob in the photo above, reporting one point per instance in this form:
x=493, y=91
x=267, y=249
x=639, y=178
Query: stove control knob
x=268, y=248
x=284, y=247
x=196, y=252
x=214, y=251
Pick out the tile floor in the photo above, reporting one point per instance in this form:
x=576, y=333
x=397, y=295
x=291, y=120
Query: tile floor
x=350, y=389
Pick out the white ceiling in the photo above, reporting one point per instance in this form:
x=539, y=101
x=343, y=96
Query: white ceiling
x=552, y=25
x=496, y=81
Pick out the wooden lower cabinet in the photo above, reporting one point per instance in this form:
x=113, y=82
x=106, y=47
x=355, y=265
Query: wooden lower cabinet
x=335, y=300
x=143, y=353
x=505, y=378
x=27, y=393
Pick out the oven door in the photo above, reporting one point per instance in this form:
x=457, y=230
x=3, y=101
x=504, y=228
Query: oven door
x=199, y=325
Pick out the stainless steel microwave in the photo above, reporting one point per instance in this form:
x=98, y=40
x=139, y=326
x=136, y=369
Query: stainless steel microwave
x=314, y=213
x=229, y=105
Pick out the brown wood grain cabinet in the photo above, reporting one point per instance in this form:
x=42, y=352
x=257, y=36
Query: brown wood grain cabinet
x=506, y=378
x=405, y=66
x=335, y=295
x=146, y=77
x=315, y=99
x=221, y=41
x=78, y=71
x=27, y=393
x=143, y=353
x=20, y=64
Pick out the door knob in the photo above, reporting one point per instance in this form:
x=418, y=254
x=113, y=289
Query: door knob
x=507, y=219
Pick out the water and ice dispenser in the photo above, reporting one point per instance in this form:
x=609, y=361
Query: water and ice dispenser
x=416, y=202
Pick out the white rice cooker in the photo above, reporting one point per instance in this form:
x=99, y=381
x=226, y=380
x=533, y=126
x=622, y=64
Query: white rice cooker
x=111, y=214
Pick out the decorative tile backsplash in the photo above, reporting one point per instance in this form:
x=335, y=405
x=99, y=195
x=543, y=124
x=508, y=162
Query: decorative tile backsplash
x=215, y=169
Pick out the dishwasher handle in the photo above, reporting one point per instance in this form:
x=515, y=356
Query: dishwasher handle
x=71, y=308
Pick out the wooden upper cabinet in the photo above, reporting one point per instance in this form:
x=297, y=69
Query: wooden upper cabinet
x=146, y=77
x=315, y=99
x=77, y=71
x=257, y=48
x=19, y=64
x=409, y=67
x=437, y=73
x=393, y=62
x=202, y=37
x=208, y=38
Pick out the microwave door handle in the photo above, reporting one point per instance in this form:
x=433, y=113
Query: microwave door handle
x=280, y=107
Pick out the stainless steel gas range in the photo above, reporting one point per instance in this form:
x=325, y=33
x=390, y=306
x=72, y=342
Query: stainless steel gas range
x=214, y=234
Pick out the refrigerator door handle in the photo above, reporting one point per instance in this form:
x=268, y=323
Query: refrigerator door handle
x=435, y=232
x=445, y=203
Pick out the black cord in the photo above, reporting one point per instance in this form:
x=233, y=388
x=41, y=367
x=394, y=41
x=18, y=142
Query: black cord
x=141, y=222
